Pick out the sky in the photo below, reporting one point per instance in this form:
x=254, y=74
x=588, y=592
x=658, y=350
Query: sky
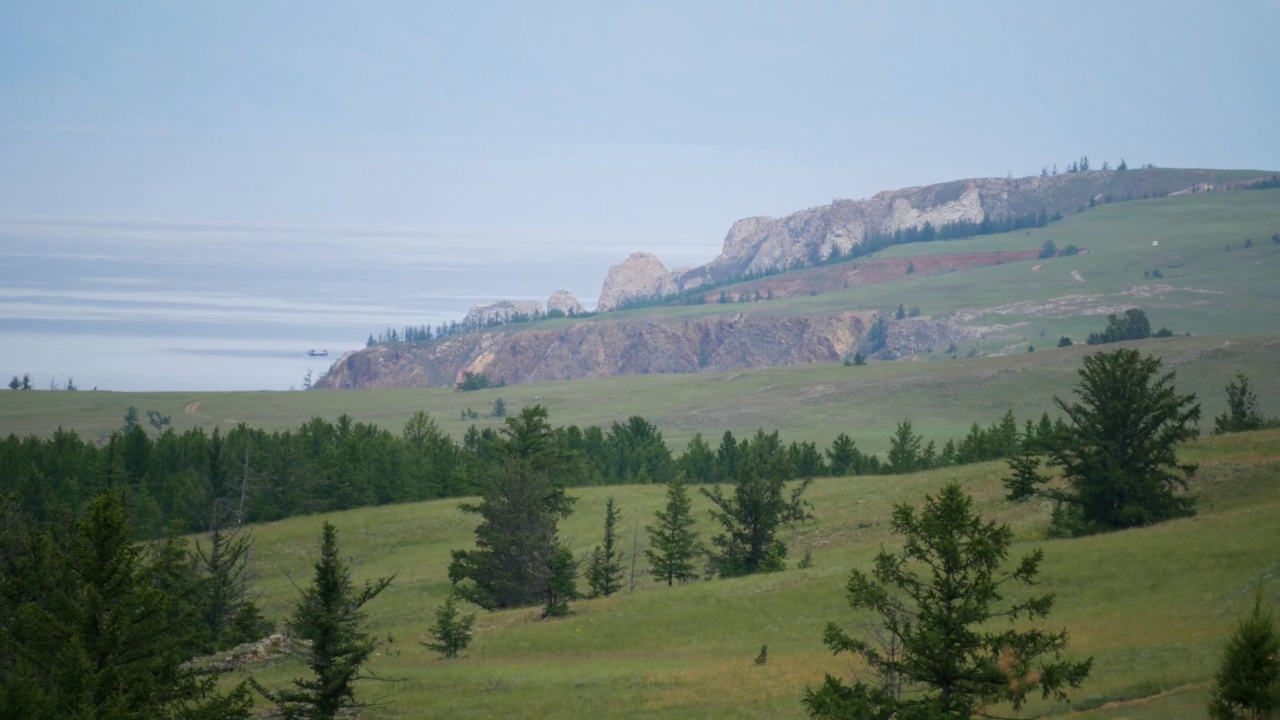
x=586, y=129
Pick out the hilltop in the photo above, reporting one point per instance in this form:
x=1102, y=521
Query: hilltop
x=1152, y=606
x=808, y=288
x=760, y=245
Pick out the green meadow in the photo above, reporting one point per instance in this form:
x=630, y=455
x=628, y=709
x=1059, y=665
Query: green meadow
x=1212, y=283
x=808, y=403
x=1152, y=606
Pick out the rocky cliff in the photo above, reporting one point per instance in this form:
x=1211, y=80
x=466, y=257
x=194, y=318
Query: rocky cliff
x=563, y=301
x=761, y=244
x=618, y=345
x=603, y=348
x=499, y=311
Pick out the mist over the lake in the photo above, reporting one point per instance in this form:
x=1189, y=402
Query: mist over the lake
x=153, y=306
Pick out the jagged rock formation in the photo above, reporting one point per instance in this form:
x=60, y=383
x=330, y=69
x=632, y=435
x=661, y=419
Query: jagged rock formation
x=727, y=337
x=761, y=244
x=606, y=347
x=565, y=302
x=499, y=311
x=641, y=275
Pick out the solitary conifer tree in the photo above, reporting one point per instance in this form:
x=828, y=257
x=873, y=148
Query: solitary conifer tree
x=755, y=510
x=1248, y=682
x=1026, y=477
x=673, y=541
x=604, y=572
x=1119, y=454
x=330, y=617
x=451, y=632
x=947, y=642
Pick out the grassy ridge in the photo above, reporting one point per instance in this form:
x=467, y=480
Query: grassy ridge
x=813, y=402
x=1212, y=286
x=1200, y=249
x=1151, y=606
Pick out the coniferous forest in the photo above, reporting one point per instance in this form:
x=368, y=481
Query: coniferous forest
x=174, y=479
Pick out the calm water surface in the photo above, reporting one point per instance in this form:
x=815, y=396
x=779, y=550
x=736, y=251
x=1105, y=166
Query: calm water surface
x=130, y=306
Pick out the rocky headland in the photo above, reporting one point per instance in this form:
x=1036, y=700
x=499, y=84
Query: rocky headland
x=755, y=249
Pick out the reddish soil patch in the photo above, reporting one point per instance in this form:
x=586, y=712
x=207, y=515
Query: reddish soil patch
x=819, y=280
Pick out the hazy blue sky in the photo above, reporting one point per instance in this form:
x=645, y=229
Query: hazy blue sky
x=635, y=124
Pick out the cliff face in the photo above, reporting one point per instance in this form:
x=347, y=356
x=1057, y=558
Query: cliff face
x=641, y=275
x=604, y=348
x=763, y=243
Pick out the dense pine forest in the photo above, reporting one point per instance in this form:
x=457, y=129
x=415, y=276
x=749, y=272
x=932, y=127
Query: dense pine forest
x=169, y=477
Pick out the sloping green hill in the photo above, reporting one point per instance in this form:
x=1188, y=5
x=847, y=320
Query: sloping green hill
x=812, y=402
x=1152, y=606
x=1212, y=283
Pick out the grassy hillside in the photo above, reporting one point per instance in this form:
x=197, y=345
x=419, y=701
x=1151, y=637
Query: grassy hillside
x=1152, y=606
x=814, y=402
x=1212, y=286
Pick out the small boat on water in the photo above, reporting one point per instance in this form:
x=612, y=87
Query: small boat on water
x=318, y=353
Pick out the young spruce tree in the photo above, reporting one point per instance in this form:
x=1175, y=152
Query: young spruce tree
x=451, y=632
x=940, y=652
x=329, y=620
x=604, y=570
x=229, y=615
x=1242, y=412
x=758, y=507
x=1025, y=467
x=1247, y=685
x=673, y=543
x=519, y=559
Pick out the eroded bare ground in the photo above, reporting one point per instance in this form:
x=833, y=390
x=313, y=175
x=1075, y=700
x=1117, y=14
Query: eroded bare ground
x=1069, y=305
x=867, y=271
x=1139, y=700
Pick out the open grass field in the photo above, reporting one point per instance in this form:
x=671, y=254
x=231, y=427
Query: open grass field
x=1212, y=283
x=1152, y=607
x=814, y=402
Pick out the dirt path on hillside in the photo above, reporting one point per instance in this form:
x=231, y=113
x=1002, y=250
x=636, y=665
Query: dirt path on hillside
x=1076, y=276
x=193, y=408
x=1036, y=268
x=1140, y=701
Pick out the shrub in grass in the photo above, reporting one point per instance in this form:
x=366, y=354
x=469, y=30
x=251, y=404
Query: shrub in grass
x=451, y=632
x=1248, y=681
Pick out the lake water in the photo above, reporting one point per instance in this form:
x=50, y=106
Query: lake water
x=134, y=306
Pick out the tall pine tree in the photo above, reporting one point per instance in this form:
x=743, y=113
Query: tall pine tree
x=604, y=572
x=947, y=643
x=329, y=618
x=756, y=509
x=673, y=543
x=518, y=553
